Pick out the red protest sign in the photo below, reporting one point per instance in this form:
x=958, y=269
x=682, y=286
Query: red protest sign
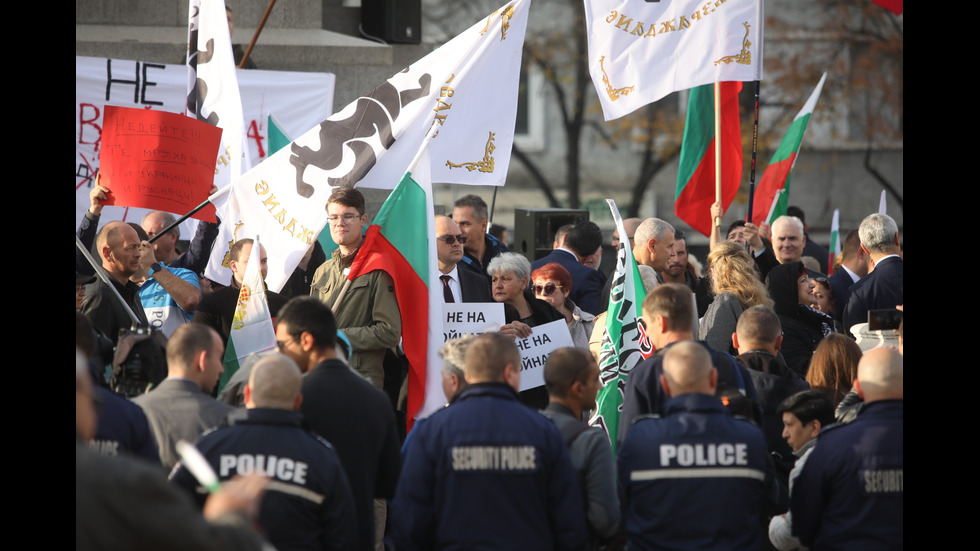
x=158, y=160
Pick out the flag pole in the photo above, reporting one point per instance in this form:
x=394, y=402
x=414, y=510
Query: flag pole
x=181, y=219
x=755, y=149
x=191, y=213
x=258, y=30
x=717, y=220
x=493, y=202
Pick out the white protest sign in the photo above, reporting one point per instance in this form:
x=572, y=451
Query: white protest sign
x=470, y=318
x=535, y=350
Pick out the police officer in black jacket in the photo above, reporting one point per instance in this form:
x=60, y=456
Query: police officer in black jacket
x=308, y=504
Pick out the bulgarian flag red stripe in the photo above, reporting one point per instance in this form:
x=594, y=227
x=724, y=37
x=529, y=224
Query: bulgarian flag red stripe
x=894, y=6
x=696, y=174
x=777, y=174
x=397, y=242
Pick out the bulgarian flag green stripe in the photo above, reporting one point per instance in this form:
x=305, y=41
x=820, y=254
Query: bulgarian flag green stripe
x=695, y=190
x=777, y=175
x=277, y=136
x=229, y=363
x=397, y=242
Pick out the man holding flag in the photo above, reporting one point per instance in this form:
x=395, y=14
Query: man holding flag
x=458, y=104
x=217, y=310
x=366, y=308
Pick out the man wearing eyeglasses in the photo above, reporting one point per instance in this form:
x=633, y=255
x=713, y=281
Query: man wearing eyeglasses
x=367, y=311
x=457, y=285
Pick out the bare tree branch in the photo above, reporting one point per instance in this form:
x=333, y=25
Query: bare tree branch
x=880, y=178
x=536, y=175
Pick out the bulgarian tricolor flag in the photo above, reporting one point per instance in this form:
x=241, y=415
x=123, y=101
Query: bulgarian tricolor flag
x=894, y=6
x=398, y=243
x=778, y=172
x=696, y=174
x=251, y=325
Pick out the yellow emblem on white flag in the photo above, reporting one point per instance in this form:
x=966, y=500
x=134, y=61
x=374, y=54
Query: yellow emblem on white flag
x=641, y=51
x=453, y=98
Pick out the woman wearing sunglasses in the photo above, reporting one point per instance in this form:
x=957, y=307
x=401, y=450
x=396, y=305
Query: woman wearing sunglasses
x=553, y=284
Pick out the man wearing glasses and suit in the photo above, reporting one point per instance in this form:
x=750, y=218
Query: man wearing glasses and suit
x=457, y=285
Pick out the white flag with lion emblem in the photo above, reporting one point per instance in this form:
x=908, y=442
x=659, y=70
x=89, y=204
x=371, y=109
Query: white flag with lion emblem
x=461, y=98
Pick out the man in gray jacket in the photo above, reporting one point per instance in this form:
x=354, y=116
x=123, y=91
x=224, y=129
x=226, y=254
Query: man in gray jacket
x=571, y=376
x=180, y=407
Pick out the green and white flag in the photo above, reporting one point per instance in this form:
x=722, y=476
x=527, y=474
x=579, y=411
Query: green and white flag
x=277, y=136
x=251, y=326
x=624, y=341
x=834, y=242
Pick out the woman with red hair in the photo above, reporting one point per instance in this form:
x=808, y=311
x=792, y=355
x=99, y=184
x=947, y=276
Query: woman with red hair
x=553, y=283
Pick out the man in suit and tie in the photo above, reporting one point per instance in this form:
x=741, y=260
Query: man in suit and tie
x=580, y=242
x=457, y=285
x=884, y=286
x=853, y=266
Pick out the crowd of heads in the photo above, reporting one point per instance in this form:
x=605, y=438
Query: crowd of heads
x=306, y=329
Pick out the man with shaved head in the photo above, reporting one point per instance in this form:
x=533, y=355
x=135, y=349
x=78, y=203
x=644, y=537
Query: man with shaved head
x=850, y=494
x=309, y=503
x=697, y=478
x=458, y=285
x=119, y=248
x=170, y=293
